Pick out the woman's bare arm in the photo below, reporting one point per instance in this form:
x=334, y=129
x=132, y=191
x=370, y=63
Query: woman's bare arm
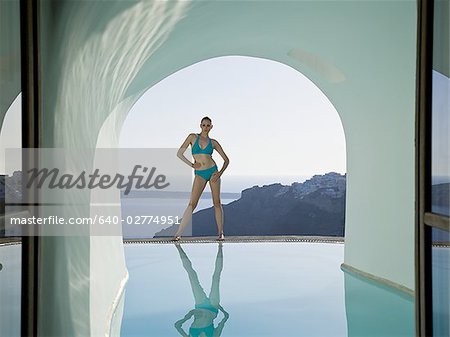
x=178, y=324
x=220, y=326
x=219, y=149
x=183, y=147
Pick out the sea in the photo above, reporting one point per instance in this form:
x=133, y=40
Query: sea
x=145, y=215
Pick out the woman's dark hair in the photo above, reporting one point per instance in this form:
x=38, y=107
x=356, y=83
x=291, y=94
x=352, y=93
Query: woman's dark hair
x=206, y=117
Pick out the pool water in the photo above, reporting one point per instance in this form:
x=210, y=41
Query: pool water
x=10, y=278
x=266, y=289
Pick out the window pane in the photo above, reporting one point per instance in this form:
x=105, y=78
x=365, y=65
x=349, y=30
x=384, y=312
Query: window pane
x=10, y=136
x=441, y=110
x=10, y=274
x=440, y=275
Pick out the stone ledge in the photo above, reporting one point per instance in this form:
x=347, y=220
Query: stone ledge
x=376, y=279
x=241, y=239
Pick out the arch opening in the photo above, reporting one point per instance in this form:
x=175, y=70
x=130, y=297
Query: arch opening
x=267, y=113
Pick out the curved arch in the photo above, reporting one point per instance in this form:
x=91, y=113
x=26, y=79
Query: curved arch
x=249, y=95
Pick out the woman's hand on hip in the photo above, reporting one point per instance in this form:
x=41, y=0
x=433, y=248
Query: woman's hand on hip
x=215, y=176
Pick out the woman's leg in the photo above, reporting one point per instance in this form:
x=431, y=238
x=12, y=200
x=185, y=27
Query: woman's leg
x=197, y=290
x=214, y=294
x=197, y=188
x=215, y=191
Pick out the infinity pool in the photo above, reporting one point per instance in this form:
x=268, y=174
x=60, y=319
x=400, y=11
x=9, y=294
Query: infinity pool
x=266, y=289
x=261, y=289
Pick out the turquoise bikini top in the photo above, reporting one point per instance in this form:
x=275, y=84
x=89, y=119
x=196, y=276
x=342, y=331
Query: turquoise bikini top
x=196, y=149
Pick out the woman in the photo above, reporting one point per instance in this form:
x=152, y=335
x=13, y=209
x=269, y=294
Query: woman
x=205, y=170
x=206, y=307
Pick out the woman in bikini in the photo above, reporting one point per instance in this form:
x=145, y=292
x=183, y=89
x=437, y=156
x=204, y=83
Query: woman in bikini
x=206, y=307
x=205, y=170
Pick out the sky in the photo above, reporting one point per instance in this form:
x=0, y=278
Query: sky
x=440, y=153
x=269, y=119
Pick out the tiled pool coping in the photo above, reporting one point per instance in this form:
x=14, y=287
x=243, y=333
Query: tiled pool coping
x=241, y=239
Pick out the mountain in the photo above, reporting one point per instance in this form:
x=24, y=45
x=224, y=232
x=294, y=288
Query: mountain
x=440, y=198
x=440, y=204
x=314, y=207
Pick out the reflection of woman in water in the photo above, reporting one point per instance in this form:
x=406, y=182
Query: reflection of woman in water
x=205, y=170
x=206, y=308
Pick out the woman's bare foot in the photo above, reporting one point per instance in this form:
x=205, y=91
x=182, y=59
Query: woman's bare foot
x=176, y=238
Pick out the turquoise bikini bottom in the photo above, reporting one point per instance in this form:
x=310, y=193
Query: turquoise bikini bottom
x=208, y=331
x=206, y=174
